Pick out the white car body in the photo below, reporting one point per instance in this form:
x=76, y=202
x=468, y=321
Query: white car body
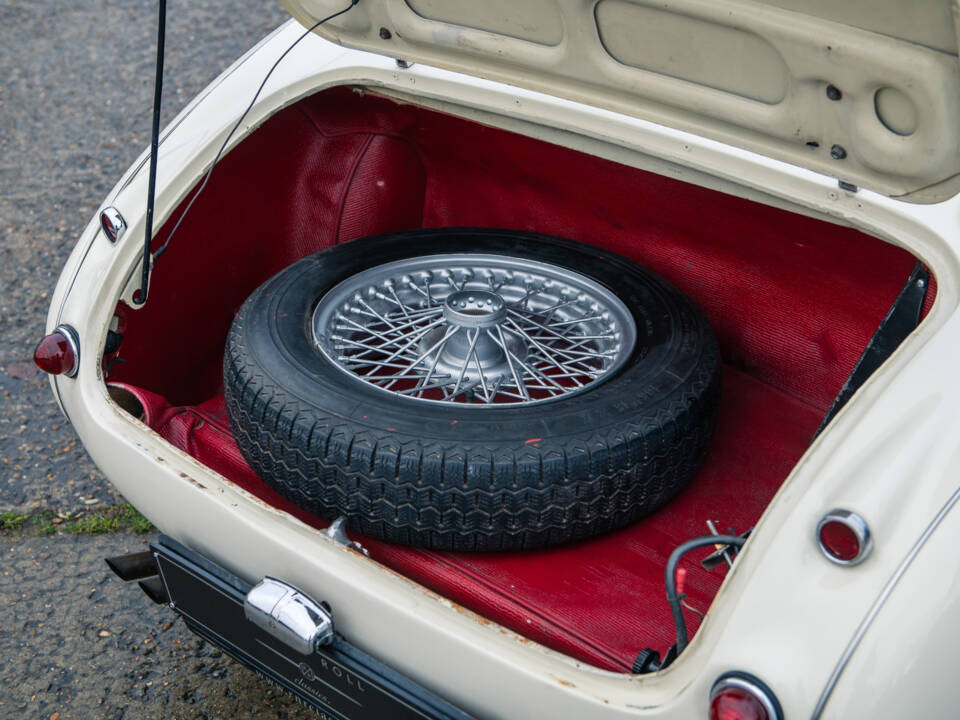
x=874, y=640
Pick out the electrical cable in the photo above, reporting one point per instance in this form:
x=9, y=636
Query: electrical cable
x=147, y=258
x=671, y=578
x=690, y=607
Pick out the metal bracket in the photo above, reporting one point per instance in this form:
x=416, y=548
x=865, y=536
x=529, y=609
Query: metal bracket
x=901, y=320
x=722, y=553
x=338, y=533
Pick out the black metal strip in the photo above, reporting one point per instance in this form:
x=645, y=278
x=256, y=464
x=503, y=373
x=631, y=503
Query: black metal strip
x=340, y=680
x=900, y=321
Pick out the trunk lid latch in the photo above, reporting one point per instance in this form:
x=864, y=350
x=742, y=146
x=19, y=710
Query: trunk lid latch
x=289, y=615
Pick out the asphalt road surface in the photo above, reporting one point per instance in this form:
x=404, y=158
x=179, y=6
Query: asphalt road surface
x=76, y=87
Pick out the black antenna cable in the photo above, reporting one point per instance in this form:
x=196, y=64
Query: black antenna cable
x=140, y=296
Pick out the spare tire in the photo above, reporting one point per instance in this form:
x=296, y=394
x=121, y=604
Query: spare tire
x=472, y=389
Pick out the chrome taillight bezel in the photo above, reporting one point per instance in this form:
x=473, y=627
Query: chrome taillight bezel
x=857, y=525
x=752, y=685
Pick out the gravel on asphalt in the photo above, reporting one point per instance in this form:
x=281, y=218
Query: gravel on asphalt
x=76, y=87
x=77, y=643
x=76, y=96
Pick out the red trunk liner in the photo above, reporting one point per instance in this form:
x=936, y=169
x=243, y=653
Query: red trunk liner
x=600, y=600
x=793, y=301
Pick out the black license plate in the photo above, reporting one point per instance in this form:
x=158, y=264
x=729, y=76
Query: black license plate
x=339, y=680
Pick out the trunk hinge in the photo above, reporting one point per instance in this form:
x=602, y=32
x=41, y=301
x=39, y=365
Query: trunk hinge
x=902, y=319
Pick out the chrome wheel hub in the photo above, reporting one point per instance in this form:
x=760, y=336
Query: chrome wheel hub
x=480, y=329
x=474, y=308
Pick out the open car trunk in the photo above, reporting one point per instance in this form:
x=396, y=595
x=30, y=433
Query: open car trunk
x=793, y=302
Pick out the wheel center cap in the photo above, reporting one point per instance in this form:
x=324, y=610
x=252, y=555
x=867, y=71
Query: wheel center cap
x=474, y=308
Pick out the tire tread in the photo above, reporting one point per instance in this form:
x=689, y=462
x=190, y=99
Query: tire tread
x=476, y=498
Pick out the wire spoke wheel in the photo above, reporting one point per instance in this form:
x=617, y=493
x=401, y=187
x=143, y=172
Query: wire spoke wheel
x=472, y=389
x=474, y=329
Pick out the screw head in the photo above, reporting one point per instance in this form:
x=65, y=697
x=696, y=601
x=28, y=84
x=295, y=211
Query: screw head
x=837, y=152
x=833, y=92
x=385, y=34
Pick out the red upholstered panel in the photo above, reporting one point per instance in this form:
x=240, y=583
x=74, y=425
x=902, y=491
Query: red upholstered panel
x=289, y=191
x=793, y=301
x=385, y=192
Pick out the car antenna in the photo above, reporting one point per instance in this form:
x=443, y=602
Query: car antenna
x=140, y=295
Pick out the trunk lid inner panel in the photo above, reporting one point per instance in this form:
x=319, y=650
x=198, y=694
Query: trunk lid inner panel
x=793, y=302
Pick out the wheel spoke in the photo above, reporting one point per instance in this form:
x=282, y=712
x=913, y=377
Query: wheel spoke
x=548, y=355
x=420, y=388
x=433, y=347
x=532, y=331
x=433, y=366
x=368, y=348
x=354, y=362
x=416, y=336
x=561, y=337
x=357, y=326
x=532, y=370
x=483, y=381
x=463, y=368
x=513, y=371
x=400, y=302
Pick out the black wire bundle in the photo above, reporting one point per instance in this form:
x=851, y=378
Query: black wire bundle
x=671, y=578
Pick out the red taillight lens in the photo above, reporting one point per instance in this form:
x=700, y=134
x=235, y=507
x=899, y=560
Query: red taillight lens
x=844, y=537
x=740, y=696
x=734, y=703
x=839, y=540
x=56, y=354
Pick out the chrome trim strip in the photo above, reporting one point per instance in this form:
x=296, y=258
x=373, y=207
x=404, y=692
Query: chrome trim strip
x=73, y=279
x=879, y=603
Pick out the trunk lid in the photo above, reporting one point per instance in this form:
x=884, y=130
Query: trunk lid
x=866, y=91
